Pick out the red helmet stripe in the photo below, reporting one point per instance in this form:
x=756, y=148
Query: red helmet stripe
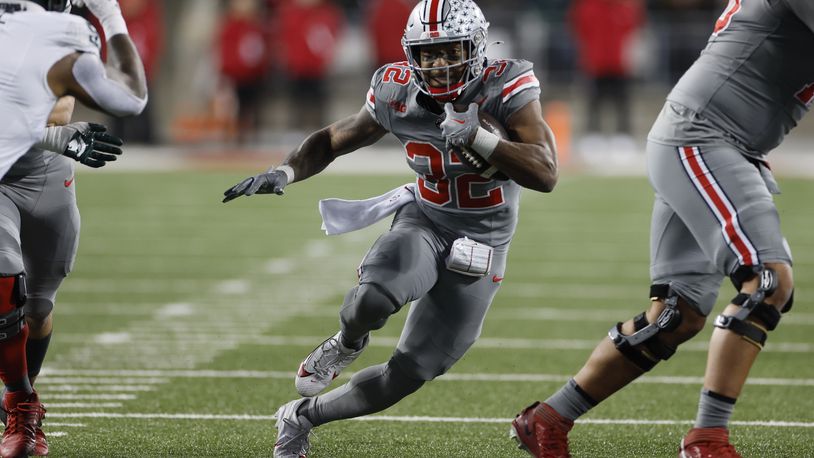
x=436, y=14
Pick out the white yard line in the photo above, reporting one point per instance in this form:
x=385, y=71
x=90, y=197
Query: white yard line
x=83, y=405
x=410, y=419
x=75, y=388
x=89, y=397
x=100, y=381
x=193, y=338
x=456, y=377
x=502, y=343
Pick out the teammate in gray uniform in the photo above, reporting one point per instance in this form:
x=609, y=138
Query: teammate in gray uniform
x=38, y=216
x=445, y=45
x=713, y=217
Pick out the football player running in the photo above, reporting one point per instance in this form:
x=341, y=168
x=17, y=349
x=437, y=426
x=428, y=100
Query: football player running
x=446, y=249
x=713, y=217
x=39, y=221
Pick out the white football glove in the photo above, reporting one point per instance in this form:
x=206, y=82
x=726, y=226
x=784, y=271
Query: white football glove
x=108, y=13
x=459, y=128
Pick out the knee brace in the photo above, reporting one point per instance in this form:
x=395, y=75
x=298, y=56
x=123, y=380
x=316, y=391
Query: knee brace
x=753, y=305
x=643, y=348
x=12, y=300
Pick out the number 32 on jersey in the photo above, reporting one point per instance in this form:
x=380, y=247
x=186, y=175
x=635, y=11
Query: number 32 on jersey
x=435, y=186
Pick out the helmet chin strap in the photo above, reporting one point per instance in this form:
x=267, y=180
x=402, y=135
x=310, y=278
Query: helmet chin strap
x=447, y=94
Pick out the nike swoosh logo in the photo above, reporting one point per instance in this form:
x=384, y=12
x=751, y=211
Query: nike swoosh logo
x=459, y=121
x=302, y=372
x=497, y=279
x=68, y=183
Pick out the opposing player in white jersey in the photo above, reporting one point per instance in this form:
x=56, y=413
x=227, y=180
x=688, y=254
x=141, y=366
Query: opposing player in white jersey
x=46, y=56
x=713, y=217
x=447, y=246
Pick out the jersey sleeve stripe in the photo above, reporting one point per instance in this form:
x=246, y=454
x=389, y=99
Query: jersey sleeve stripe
x=521, y=83
x=371, y=99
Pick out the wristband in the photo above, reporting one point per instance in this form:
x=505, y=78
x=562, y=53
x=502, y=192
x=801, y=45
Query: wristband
x=113, y=25
x=56, y=139
x=289, y=172
x=484, y=143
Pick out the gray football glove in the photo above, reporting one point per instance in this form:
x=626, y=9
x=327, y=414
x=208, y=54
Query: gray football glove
x=86, y=142
x=266, y=183
x=459, y=128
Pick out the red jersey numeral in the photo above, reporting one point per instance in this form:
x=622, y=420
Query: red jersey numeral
x=398, y=75
x=726, y=17
x=497, y=68
x=437, y=189
x=466, y=199
x=434, y=186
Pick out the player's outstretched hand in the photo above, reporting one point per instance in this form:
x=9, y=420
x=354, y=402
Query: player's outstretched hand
x=102, y=9
x=459, y=128
x=266, y=183
x=86, y=142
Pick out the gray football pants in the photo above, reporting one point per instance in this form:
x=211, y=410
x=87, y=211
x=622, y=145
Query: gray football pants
x=39, y=228
x=408, y=264
x=713, y=212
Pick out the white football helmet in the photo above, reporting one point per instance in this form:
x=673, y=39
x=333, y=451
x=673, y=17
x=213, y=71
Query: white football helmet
x=446, y=21
x=62, y=6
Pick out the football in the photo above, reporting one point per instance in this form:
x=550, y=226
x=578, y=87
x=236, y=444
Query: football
x=474, y=160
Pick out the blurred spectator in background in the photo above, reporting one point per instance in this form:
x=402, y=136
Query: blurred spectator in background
x=145, y=20
x=385, y=26
x=308, y=34
x=603, y=30
x=244, y=57
x=685, y=30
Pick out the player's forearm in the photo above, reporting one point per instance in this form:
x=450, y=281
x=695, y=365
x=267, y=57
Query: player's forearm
x=312, y=156
x=532, y=166
x=124, y=65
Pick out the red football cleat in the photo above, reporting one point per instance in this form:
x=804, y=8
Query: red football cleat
x=24, y=417
x=41, y=443
x=707, y=443
x=541, y=431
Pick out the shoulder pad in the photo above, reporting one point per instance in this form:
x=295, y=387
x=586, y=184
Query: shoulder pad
x=512, y=77
x=390, y=83
x=69, y=31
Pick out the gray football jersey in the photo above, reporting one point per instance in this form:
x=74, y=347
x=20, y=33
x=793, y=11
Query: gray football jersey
x=459, y=202
x=755, y=79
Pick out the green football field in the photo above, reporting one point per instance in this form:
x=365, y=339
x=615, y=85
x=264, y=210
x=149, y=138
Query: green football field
x=180, y=329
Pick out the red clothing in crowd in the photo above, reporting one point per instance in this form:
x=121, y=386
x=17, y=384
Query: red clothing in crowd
x=385, y=24
x=308, y=35
x=243, y=47
x=145, y=24
x=602, y=29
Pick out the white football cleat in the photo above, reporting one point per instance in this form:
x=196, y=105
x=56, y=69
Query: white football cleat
x=324, y=364
x=292, y=431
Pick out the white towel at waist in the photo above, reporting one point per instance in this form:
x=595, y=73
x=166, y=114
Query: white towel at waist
x=340, y=216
